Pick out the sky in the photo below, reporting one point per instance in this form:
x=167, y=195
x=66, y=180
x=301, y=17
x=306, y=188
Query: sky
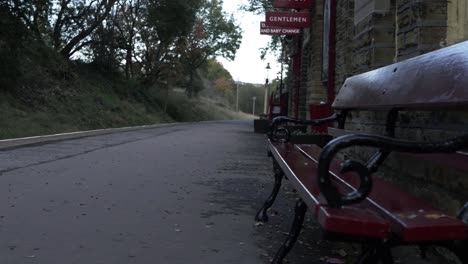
x=248, y=67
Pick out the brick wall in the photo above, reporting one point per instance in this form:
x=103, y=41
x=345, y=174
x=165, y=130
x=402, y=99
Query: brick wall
x=291, y=48
x=408, y=29
x=306, y=61
x=344, y=36
x=374, y=41
x=315, y=89
x=422, y=27
x=443, y=187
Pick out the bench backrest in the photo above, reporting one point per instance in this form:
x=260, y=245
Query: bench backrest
x=436, y=80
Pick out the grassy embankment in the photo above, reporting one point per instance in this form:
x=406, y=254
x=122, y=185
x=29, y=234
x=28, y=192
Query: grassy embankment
x=43, y=94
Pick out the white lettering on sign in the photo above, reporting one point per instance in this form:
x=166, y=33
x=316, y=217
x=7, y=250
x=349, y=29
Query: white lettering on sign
x=282, y=31
x=266, y=30
x=288, y=19
x=291, y=31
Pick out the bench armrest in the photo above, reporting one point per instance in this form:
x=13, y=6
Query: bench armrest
x=277, y=133
x=385, y=145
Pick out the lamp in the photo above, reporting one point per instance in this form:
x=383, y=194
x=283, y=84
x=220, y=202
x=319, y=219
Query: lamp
x=267, y=81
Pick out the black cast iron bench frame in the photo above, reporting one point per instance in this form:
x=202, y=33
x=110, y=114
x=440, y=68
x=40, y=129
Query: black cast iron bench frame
x=436, y=81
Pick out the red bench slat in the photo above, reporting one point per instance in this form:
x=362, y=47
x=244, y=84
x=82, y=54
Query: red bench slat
x=411, y=218
x=352, y=220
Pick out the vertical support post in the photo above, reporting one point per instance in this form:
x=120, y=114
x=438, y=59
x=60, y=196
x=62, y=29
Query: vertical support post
x=331, y=55
x=237, y=96
x=253, y=105
x=297, y=73
x=265, y=104
x=267, y=89
x=281, y=80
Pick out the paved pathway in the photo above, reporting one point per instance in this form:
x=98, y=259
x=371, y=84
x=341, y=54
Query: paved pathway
x=181, y=194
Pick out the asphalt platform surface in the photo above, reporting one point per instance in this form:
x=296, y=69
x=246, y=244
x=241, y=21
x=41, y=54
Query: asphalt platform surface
x=180, y=194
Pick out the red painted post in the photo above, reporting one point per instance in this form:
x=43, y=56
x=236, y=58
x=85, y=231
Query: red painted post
x=297, y=73
x=331, y=56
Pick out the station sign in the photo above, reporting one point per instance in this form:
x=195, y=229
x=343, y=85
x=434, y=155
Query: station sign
x=285, y=31
x=296, y=4
x=288, y=19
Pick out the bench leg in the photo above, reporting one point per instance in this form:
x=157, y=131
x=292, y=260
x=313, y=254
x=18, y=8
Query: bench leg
x=301, y=209
x=376, y=253
x=262, y=216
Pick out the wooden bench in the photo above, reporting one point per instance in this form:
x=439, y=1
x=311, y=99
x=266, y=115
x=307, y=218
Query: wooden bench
x=347, y=201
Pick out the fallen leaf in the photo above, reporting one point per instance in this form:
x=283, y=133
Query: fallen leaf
x=434, y=216
x=342, y=253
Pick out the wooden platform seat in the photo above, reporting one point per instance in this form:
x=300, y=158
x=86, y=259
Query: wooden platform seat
x=347, y=200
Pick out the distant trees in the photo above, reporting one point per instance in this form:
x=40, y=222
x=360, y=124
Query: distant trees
x=246, y=94
x=142, y=39
x=213, y=34
x=221, y=80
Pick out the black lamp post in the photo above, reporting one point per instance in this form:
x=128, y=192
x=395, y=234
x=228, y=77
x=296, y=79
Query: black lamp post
x=267, y=92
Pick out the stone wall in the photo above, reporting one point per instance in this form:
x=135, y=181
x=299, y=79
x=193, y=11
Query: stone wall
x=316, y=91
x=443, y=187
x=344, y=36
x=374, y=41
x=457, y=22
x=407, y=29
x=422, y=27
x=306, y=61
x=291, y=49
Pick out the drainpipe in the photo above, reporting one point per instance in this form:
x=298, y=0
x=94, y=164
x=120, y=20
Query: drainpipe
x=297, y=73
x=331, y=56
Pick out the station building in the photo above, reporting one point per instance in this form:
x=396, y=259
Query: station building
x=349, y=37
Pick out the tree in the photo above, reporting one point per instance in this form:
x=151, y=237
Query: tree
x=169, y=21
x=34, y=14
x=225, y=87
x=104, y=47
x=258, y=6
x=130, y=18
x=220, y=78
x=76, y=21
x=213, y=34
x=12, y=39
x=214, y=70
x=65, y=24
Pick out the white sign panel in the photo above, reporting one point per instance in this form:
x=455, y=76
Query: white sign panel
x=363, y=8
